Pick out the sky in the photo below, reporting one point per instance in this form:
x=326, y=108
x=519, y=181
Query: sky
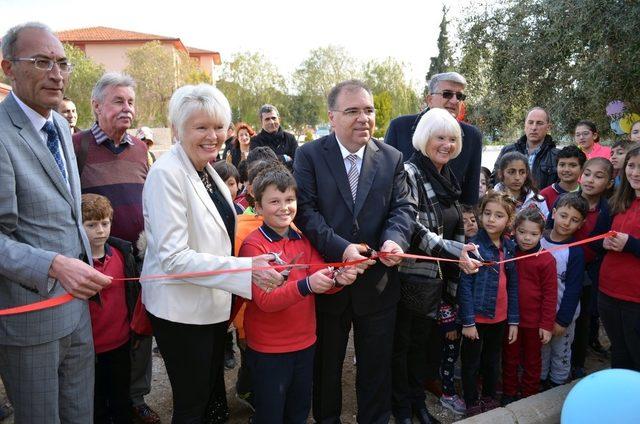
x=283, y=30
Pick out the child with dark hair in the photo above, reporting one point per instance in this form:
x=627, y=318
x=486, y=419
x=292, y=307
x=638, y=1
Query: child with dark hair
x=470, y=220
x=515, y=180
x=488, y=303
x=280, y=324
x=570, y=162
x=597, y=179
x=485, y=181
x=111, y=318
x=537, y=296
x=619, y=151
x=619, y=298
x=231, y=178
x=568, y=216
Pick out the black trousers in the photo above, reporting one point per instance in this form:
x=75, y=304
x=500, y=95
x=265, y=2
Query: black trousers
x=583, y=324
x=409, y=366
x=281, y=385
x=621, y=321
x=373, y=340
x=482, y=357
x=194, y=358
x=111, y=394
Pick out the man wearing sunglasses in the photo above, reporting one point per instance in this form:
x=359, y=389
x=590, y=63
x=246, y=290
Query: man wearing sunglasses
x=446, y=91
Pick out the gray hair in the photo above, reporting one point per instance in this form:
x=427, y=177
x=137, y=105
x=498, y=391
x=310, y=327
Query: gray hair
x=267, y=108
x=189, y=99
x=348, y=85
x=11, y=37
x=111, y=79
x=433, y=121
x=445, y=76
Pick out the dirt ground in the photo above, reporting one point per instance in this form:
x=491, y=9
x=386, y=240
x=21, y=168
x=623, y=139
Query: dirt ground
x=160, y=397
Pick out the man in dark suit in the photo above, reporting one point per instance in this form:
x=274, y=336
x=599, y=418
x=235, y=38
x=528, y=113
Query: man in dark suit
x=352, y=190
x=46, y=357
x=446, y=92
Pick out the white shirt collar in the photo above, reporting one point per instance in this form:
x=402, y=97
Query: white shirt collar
x=345, y=152
x=36, y=119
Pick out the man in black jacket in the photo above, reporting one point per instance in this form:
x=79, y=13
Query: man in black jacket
x=284, y=144
x=446, y=92
x=538, y=146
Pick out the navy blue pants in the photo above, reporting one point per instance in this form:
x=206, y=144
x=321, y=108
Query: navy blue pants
x=282, y=385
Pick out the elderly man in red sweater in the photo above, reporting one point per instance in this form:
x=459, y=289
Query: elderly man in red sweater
x=114, y=164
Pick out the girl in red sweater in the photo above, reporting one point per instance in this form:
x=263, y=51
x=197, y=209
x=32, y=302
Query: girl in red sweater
x=537, y=297
x=619, y=299
x=280, y=325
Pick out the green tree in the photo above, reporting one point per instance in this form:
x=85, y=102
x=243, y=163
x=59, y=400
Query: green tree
x=250, y=80
x=383, y=102
x=443, y=62
x=319, y=72
x=83, y=78
x=388, y=76
x=570, y=57
x=158, y=71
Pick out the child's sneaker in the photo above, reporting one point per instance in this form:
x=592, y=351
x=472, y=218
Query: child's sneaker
x=453, y=404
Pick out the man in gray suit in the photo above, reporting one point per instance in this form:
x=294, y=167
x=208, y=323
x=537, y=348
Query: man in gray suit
x=46, y=357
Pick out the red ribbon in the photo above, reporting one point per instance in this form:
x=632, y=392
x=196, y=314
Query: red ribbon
x=65, y=298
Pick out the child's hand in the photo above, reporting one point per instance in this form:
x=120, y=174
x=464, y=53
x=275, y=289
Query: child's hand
x=513, y=334
x=615, y=242
x=451, y=335
x=471, y=333
x=347, y=275
x=545, y=335
x=321, y=281
x=559, y=330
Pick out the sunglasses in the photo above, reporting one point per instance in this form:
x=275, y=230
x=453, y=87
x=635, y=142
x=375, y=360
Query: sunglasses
x=448, y=94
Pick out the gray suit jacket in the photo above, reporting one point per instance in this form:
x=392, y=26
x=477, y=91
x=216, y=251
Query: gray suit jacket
x=39, y=218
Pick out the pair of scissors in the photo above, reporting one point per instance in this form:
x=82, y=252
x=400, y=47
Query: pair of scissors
x=477, y=254
x=279, y=261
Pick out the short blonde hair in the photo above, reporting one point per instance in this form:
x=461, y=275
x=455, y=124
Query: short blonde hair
x=437, y=120
x=189, y=99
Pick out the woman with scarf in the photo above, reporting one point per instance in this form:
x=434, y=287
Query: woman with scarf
x=426, y=284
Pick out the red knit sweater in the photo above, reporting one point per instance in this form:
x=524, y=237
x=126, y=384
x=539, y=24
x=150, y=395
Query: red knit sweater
x=619, y=270
x=537, y=290
x=283, y=320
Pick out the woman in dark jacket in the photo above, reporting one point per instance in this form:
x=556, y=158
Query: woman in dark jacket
x=239, y=148
x=439, y=233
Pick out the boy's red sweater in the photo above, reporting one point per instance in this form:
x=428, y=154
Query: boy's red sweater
x=537, y=289
x=109, y=319
x=619, y=270
x=283, y=320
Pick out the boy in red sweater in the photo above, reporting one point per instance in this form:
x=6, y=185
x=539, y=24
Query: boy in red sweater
x=111, y=317
x=280, y=325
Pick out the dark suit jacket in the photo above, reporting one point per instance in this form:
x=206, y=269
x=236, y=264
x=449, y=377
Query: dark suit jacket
x=383, y=210
x=466, y=166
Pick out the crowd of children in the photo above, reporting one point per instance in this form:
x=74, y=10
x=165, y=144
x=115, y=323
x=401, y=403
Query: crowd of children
x=526, y=318
x=538, y=312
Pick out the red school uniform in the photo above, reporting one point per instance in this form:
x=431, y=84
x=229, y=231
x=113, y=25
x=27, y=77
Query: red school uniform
x=282, y=320
x=109, y=319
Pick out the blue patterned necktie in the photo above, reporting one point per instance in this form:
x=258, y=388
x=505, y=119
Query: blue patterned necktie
x=53, y=143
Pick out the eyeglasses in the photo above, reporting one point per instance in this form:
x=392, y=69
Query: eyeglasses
x=44, y=64
x=583, y=134
x=448, y=94
x=354, y=112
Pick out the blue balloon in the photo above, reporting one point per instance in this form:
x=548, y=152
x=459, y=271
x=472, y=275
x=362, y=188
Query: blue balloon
x=608, y=396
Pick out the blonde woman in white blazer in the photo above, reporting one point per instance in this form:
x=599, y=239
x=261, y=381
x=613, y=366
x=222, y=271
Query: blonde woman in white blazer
x=189, y=225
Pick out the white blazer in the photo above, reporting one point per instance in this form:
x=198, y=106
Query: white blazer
x=185, y=233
